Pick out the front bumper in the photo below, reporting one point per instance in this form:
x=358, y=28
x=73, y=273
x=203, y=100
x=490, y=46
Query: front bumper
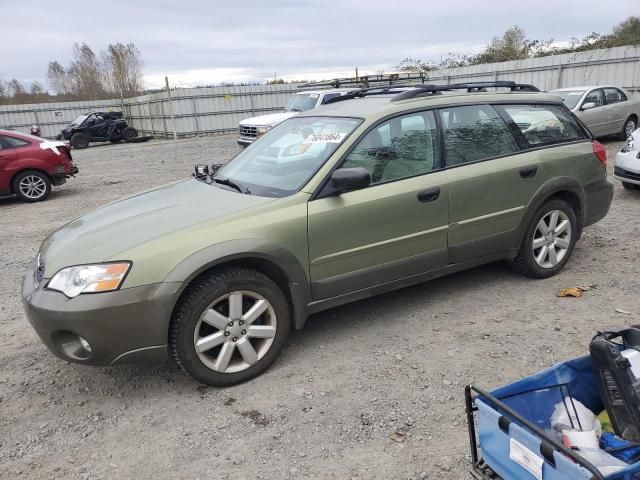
x=598, y=200
x=120, y=327
x=244, y=142
x=626, y=167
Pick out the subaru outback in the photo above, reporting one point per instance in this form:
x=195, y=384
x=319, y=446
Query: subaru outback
x=381, y=189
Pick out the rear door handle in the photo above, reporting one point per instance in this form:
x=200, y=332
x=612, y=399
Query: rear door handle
x=429, y=195
x=528, y=172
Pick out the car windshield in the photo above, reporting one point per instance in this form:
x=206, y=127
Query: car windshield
x=285, y=158
x=79, y=119
x=569, y=97
x=302, y=102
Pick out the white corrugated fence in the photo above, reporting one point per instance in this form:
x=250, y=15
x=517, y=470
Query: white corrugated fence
x=205, y=111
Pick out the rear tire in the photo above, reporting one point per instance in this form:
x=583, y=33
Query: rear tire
x=129, y=133
x=543, y=255
x=80, y=140
x=31, y=186
x=628, y=128
x=213, y=336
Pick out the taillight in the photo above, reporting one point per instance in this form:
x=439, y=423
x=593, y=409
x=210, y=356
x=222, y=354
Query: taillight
x=600, y=152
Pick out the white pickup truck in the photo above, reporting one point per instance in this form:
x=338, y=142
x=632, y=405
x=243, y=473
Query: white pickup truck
x=252, y=128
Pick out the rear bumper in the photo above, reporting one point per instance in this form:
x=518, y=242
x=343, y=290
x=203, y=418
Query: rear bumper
x=61, y=178
x=598, y=200
x=122, y=326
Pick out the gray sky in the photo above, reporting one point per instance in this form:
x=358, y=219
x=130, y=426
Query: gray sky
x=204, y=42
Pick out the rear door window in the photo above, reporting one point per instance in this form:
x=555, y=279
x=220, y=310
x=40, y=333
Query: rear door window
x=613, y=95
x=473, y=133
x=545, y=124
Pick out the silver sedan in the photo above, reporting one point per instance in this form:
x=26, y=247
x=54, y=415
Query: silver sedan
x=626, y=166
x=604, y=109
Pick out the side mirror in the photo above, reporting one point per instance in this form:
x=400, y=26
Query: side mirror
x=588, y=105
x=348, y=179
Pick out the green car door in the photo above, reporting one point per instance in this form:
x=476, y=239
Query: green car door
x=490, y=181
x=495, y=167
x=392, y=229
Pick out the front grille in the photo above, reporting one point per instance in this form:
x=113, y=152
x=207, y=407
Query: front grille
x=621, y=172
x=248, y=131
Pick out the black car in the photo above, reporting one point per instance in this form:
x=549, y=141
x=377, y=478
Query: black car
x=97, y=127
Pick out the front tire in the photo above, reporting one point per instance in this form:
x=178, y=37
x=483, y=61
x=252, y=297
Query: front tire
x=630, y=186
x=80, y=140
x=549, y=240
x=229, y=326
x=31, y=186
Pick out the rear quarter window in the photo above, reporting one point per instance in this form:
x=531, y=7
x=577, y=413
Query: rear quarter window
x=7, y=142
x=545, y=124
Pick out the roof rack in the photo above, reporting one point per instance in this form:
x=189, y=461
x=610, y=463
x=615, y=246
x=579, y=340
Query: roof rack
x=423, y=90
x=411, y=90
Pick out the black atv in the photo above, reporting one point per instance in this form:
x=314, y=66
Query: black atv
x=97, y=127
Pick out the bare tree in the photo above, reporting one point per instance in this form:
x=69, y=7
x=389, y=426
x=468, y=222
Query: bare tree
x=17, y=90
x=86, y=72
x=123, y=69
x=58, y=79
x=416, y=66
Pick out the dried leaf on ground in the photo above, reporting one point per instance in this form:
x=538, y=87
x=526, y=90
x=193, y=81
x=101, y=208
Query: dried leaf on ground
x=570, y=292
x=398, y=437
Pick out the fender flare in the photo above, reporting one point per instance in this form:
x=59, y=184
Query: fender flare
x=549, y=189
x=299, y=291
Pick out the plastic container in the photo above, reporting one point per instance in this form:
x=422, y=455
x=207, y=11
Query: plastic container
x=510, y=432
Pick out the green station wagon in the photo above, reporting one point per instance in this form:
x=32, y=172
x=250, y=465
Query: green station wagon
x=381, y=189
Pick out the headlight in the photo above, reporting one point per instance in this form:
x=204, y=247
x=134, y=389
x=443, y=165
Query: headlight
x=262, y=130
x=106, y=277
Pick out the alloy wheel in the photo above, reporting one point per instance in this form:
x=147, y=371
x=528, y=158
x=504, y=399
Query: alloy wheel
x=235, y=331
x=32, y=187
x=629, y=128
x=551, y=239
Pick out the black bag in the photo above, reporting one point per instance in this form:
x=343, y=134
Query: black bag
x=619, y=387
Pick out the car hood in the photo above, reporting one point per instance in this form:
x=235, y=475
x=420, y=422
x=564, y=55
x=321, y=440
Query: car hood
x=271, y=120
x=102, y=234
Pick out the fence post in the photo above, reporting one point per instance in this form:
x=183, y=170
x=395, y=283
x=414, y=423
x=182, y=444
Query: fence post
x=560, y=69
x=150, y=116
x=173, y=120
x=164, y=119
x=195, y=114
x=253, y=110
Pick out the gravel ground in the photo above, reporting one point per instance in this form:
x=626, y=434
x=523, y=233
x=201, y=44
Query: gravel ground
x=328, y=407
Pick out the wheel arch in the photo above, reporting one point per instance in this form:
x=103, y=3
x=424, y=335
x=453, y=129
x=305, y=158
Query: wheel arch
x=564, y=188
x=270, y=259
x=26, y=169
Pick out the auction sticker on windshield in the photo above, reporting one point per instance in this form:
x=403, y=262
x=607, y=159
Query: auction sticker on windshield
x=325, y=138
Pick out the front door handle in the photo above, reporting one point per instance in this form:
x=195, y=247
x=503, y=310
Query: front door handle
x=528, y=172
x=429, y=195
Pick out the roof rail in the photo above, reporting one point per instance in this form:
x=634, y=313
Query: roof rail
x=363, y=92
x=366, y=81
x=423, y=90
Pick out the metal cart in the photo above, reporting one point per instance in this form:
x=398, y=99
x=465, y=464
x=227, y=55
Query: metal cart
x=510, y=433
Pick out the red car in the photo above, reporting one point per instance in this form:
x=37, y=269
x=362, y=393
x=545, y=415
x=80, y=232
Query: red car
x=30, y=165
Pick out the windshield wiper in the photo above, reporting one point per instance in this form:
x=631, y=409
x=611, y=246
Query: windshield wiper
x=232, y=184
x=295, y=110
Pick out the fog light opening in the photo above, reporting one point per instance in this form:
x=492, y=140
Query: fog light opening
x=84, y=344
x=72, y=346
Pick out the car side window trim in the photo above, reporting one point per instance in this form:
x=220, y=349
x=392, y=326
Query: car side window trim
x=438, y=160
